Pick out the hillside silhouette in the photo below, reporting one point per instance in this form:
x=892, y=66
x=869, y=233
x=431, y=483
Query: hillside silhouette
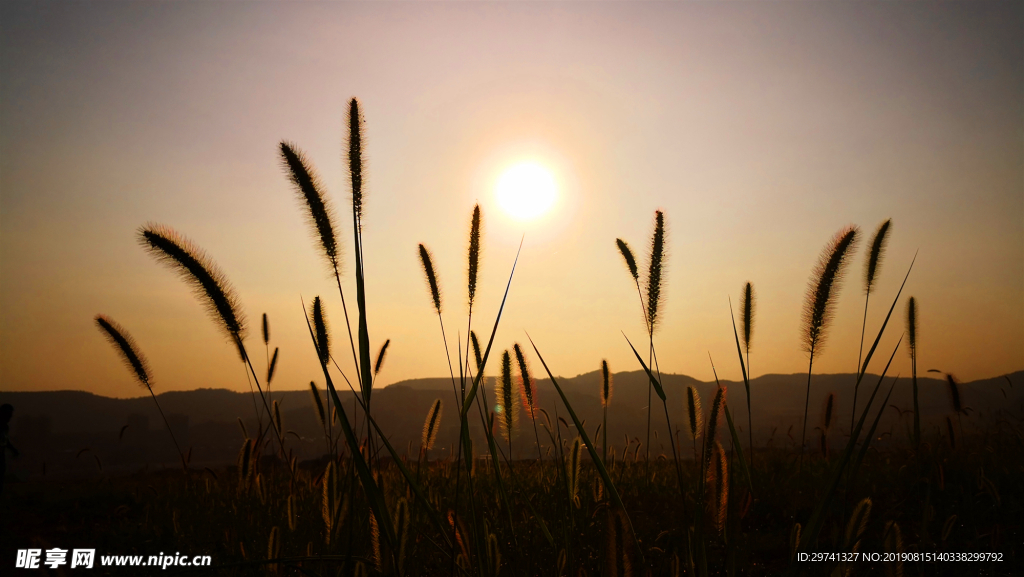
x=74, y=433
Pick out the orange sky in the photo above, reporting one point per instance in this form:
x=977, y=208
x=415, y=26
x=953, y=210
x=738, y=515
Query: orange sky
x=760, y=130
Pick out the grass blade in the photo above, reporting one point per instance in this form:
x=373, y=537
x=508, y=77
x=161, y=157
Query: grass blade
x=746, y=382
x=732, y=431
x=594, y=455
x=435, y=518
x=650, y=375
x=810, y=533
x=487, y=351
x=373, y=492
x=874, y=345
x=871, y=434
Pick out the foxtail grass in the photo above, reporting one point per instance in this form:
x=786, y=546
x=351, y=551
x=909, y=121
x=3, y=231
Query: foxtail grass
x=655, y=269
x=606, y=398
x=855, y=530
x=356, y=170
x=271, y=362
x=606, y=479
x=197, y=269
x=506, y=399
x=373, y=492
x=874, y=426
x=474, y=254
x=816, y=520
x=476, y=353
x=528, y=391
x=721, y=475
x=430, y=273
x=209, y=285
x=431, y=426
x=655, y=383
x=630, y=260
x=573, y=464
x=654, y=279
x=695, y=415
x=819, y=306
x=707, y=452
x=136, y=362
x=809, y=535
x=427, y=262
x=321, y=329
x=871, y=268
x=617, y=558
x=428, y=270
x=912, y=341
x=748, y=307
x=320, y=216
x=271, y=368
x=380, y=358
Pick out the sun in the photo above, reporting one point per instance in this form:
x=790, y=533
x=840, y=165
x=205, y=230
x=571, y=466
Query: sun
x=526, y=191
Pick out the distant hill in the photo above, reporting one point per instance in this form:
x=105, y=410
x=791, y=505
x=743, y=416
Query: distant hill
x=54, y=427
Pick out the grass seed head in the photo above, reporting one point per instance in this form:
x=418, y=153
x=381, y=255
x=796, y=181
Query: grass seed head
x=655, y=270
x=428, y=270
x=199, y=271
x=474, y=252
x=858, y=522
x=575, y=459
x=825, y=280
x=476, y=353
x=694, y=412
x=506, y=395
x=130, y=352
x=321, y=330
x=747, y=308
x=912, y=325
x=272, y=367
x=627, y=255
x=528, y=387
x=721, y=487
x=355, y=159
x=606, y=384
x=874, y=261
x=431, y=426
x=320, y=214
x=380, y=357
x=716, y=408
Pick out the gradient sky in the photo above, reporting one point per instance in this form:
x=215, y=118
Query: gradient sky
x=759, y=128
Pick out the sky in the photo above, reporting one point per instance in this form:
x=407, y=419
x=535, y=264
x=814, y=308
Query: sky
x=760, y=129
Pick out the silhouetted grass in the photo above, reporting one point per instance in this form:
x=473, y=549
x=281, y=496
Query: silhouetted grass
x=361, y=510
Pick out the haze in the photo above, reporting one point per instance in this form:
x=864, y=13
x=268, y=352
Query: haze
x=759, y=128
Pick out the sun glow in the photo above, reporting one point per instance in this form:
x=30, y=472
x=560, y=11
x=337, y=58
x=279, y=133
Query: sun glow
x=526, y=191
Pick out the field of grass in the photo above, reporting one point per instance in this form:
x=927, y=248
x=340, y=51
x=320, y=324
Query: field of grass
x=736, y=509
x=967, y=499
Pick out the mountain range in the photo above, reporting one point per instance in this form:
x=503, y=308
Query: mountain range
x=75, y=433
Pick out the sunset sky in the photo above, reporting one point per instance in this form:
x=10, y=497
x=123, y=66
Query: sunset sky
x=759, y=128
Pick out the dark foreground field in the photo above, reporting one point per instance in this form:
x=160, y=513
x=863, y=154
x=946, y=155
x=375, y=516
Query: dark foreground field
x=941, y=499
